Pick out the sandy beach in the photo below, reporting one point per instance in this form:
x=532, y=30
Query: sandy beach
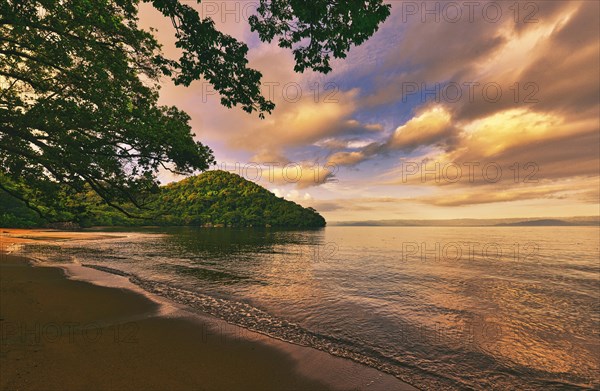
x=59, y=331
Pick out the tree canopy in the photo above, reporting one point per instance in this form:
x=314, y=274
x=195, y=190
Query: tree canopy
x=80, y=84
x=213, y=198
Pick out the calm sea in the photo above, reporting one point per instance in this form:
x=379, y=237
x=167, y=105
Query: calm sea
x=441, y=308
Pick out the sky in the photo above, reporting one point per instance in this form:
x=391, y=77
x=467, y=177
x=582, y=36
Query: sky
x=450, y=110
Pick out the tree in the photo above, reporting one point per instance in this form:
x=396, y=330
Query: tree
x=79, y=88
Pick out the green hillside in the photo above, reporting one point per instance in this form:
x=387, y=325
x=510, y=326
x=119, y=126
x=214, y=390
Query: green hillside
x=213, y=198
x=219, y=197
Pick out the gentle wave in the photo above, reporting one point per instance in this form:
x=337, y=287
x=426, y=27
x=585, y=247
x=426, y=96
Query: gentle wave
x=254, y=319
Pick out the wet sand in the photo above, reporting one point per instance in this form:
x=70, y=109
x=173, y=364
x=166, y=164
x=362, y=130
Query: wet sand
x=58, y=331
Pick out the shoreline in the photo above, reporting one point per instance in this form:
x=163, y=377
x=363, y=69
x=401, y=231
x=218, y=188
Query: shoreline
x=52, y=338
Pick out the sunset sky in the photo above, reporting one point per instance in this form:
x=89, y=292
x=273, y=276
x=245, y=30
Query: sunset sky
x=469, y=111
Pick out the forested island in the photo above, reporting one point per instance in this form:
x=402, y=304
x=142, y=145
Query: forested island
x=211, y=199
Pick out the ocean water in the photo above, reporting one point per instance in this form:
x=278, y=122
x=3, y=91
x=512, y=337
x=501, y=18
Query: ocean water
x=439, y=307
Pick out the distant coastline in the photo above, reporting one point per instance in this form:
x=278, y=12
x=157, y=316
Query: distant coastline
x=576, y=221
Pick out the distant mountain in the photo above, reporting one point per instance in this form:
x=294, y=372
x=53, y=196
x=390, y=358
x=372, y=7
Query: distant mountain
x=513, y=222
x=546, y=223
x=213, y=198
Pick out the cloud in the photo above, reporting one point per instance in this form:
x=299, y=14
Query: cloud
x=564, y=189
x=293, y=195
x=557, y=147
x=431, y=128
x=430, y=52
x=346, y=158
x=357, y=204
x=489, y=196
x=365, y=151
x=554, y=62
x=301, y=175
x=560, y=148
x=301, y=123
x=509, y=156
x=551, y=66
x=269, y=156
x=566, y=64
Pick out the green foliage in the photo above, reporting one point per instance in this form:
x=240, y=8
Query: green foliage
x=78, y=104
x=319, y=29
x=79, y=85
x=213, y=198
x=219, y=58
x=13, y=213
